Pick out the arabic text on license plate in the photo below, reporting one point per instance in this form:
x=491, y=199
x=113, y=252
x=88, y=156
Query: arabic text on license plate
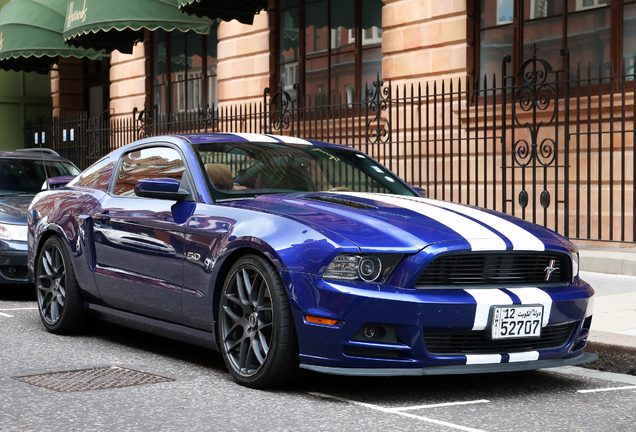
x=516, y=321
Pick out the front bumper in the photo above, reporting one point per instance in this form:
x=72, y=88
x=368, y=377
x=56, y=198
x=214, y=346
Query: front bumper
x=13, y=263
x=409, y=313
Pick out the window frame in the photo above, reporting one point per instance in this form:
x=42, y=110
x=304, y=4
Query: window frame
x=204, y=80
x=186, y=182
x=356, y=38
x=615, y=47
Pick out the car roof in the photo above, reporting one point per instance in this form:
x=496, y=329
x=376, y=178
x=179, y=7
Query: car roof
x=35, y=155
x=38, y=150
x=199, y=138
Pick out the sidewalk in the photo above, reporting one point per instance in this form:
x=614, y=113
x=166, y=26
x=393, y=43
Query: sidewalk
x=612, y=274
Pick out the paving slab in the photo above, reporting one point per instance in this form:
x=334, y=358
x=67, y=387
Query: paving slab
x=608, y=260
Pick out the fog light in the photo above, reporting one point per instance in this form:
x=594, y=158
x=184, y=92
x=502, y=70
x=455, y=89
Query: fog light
x=374, y=332
x=369, y=331
x=377, y=333
x=12, y=270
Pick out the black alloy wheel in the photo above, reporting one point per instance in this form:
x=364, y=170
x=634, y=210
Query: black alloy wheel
x=256, y=328
x=59, y=301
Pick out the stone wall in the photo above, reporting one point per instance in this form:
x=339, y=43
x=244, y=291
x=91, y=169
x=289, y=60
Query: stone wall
x=129, y=81
x=67, y=86
x=425, y=40
x=246, y=59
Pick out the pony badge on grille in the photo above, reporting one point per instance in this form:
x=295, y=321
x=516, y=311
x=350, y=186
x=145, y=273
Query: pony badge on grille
x=549, y=269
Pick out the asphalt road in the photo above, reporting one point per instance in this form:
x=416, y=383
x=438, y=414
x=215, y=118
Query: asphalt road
x=196, y=392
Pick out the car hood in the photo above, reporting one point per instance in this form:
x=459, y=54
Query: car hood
x=13, y=209
x=380, y=222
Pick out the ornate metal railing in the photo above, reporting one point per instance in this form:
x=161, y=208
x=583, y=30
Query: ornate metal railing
x=553, y=146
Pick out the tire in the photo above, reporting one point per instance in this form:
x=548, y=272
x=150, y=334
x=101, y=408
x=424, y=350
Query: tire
x=257, y=337
x=59, y=301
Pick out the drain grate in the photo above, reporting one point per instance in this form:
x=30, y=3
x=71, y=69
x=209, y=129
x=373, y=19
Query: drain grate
x=92, y=379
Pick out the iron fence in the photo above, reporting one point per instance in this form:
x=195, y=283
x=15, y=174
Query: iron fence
x=555, y=147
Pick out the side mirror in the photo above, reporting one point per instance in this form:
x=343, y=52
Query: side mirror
x=421, y=191
x=56, y=182
x=161, y=188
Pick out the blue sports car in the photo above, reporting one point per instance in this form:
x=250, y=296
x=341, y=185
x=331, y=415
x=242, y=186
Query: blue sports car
x=284, y=253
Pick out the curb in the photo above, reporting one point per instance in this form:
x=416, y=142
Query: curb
x=618, y=261
x=613, y=356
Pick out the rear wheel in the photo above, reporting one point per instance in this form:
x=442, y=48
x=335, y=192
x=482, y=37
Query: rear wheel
x=59, y=301
x=256, y=328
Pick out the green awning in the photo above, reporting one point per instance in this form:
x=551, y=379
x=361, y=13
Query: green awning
x=31, y=36
x=119, y=24
x=240, y=10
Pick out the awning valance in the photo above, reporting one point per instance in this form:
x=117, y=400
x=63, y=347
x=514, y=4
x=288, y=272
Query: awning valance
x=119, y=24
x=31, y=36
x=240, y=10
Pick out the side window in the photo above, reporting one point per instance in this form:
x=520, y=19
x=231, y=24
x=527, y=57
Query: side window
x=151, y=162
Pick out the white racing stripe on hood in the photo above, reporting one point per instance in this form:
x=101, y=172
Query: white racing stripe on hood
x=479, y=237
x=486, y=298
x=519, y=237
x=530, y=296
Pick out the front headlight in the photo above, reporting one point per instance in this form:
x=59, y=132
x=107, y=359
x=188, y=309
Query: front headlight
x=13, y=232
x=362, y=267
x=575, y=265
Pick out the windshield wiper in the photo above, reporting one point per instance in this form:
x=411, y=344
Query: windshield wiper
x=234, y=199
x=9, y=193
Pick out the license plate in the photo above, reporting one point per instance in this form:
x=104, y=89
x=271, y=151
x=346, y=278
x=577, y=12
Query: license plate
x=510, y=322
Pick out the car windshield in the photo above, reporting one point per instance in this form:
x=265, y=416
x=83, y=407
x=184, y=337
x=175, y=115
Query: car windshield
x=246, y=169
x=28, y=175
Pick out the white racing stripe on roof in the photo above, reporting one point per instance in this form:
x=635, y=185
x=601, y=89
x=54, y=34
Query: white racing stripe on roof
x=479, y=237
x=486, y=298
x=530, y=296
x=519, y=237
x=291, y=140
x=252, y=137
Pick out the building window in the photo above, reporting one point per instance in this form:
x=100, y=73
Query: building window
x=184, y=70
x=514, y=27
x=629, y=36
x=329, y=49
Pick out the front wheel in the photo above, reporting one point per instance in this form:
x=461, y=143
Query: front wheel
x=59, y=301
x=256, y=328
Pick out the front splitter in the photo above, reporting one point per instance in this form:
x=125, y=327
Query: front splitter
x=455, y=369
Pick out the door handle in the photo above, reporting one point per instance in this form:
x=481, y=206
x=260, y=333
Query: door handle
x=101, y=217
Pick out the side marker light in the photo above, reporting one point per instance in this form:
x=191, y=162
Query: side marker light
x=318, y=320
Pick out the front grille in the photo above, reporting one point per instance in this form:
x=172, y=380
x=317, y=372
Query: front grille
x=496, y=268
x=476, y=342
